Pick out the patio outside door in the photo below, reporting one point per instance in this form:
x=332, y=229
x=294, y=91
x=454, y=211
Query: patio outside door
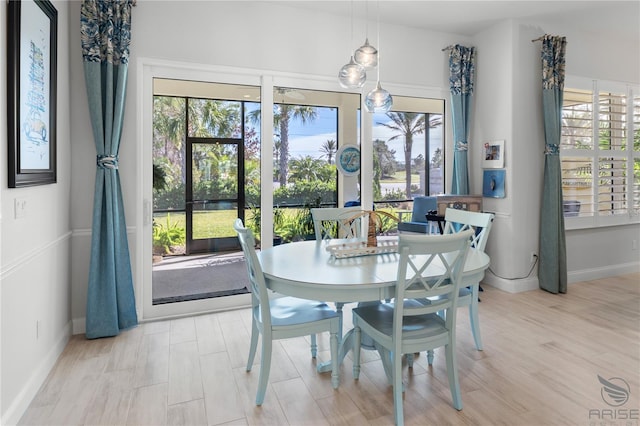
x=214, y=194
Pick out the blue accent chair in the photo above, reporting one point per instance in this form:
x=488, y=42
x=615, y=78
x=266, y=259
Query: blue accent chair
x=419, y=224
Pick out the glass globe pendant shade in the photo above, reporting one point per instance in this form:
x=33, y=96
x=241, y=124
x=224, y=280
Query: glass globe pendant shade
x=352, y=75
x=378, y=100
x=367, y=55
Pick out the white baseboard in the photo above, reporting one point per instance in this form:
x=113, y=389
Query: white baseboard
x=603, y=272
x=511, y=286
x=531, y=283
x=20, y=404
x=79, y=326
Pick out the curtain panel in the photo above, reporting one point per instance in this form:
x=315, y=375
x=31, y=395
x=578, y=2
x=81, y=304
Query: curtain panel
x=552, y=269
x=105, y=27
x=461, y=77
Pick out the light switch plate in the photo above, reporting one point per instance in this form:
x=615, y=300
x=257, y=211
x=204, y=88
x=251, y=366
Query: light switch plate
x=20, y=208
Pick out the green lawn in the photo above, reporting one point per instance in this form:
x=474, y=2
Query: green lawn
x=217, y=223
x=206, y=224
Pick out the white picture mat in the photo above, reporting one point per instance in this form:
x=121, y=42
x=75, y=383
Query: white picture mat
x=493, y=154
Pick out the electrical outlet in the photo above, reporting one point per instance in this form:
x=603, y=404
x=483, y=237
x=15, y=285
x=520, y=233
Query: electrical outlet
x=20, y=208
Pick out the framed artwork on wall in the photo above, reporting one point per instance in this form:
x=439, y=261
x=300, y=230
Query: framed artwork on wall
x=493, y=183
x=493, y=155
x=32, y=29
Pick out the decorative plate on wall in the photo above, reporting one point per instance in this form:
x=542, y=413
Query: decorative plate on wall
x=348, y=160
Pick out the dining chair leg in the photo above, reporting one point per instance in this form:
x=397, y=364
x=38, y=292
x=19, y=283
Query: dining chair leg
x=357, y=335
x=314, y=346
x=410, y=360
x=387, y=365
x=254, y=344
x=473, y=316
x=397, y=388
x=430, y=356
x=265, y=367
x=452, y=373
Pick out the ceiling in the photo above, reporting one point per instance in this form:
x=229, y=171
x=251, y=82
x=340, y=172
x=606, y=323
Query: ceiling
x=470, y=17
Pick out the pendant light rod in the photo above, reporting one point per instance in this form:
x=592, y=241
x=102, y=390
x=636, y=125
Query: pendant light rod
x=378, y=100
x=367, y=55
x=378, y=31
x=352, y=75
x=366, y=19
x=351, y=41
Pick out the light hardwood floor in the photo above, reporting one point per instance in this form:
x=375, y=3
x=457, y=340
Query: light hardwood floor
x=542, y=355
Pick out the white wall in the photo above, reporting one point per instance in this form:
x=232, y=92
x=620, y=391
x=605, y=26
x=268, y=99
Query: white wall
x=35, y=289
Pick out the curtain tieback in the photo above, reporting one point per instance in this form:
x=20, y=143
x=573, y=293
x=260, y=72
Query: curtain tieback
x=462, y=146
x=107, y=161
x=552, y=149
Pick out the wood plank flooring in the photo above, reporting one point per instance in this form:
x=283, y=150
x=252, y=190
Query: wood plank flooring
x=542, y=355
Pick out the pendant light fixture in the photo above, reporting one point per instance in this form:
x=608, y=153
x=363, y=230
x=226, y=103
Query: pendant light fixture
x=367, y=55
x=378, y=100
x=352, y=75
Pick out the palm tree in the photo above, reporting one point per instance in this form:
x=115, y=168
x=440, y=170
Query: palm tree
x=385, y=157
x=287, y=113
x=306, y=169
x=169, y=135
x=282, y=116
x=329, y=149
x=406, y=124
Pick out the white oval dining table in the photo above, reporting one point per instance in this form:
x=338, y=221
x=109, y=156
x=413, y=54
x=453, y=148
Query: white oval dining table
x=307, y=270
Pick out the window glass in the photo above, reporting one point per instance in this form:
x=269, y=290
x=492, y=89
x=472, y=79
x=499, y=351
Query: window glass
x=309, y=127
x=210, y=118
x=408, y=150
x=596, y=180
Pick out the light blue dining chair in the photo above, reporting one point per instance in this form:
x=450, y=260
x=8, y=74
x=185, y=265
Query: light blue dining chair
x=480, y=223
x=283, y=317
x=334, y=222
x=406, y=325
x=338, y=222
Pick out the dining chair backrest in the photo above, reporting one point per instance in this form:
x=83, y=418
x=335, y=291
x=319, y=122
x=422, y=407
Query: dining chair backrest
x=461, y=220
x=417, y=253
x=337, y=222
x=259, y=292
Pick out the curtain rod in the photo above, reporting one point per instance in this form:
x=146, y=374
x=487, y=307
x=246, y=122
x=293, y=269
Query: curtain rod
x=537, y=39
x=448, y=48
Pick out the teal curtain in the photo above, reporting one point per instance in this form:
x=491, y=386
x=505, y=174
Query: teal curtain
x=552, y=269
x=105, y=27
x=461, y=76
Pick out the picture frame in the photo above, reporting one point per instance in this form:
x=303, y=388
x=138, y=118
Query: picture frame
x=493, y=183
x=32, y=30
x=493, y=155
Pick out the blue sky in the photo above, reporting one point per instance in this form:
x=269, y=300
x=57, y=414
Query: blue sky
x=307, y=139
